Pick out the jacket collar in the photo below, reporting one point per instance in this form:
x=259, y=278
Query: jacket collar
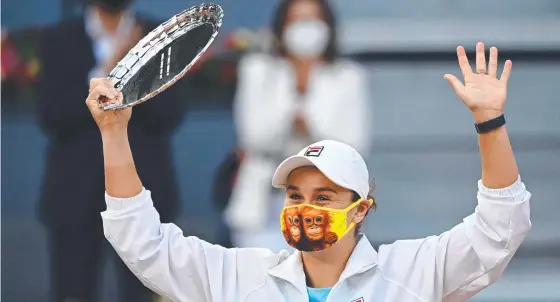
x=363, y=258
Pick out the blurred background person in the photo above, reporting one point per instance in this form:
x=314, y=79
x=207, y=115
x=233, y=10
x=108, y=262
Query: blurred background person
x=286, y=100
x=72, y=52
x=222, y=187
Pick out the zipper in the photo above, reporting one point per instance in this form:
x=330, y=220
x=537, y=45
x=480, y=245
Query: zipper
x=339, y=283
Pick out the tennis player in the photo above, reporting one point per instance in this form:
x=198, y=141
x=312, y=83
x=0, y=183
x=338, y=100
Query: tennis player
x=327, y=196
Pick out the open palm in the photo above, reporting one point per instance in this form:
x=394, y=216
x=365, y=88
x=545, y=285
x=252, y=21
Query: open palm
x=482, y=90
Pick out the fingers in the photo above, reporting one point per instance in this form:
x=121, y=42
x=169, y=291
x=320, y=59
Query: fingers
x=102, y=91
x=94, y=82
x=480, y=58
x=99, y=92
x=455, y=83
x=463, y=61
x=105, y=82
x=493, y=62
x=100, y=88
x=507, y=71
x=481, y=62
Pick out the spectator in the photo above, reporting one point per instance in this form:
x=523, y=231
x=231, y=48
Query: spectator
x=285, y=101
x=71, y=53
x=222, y=187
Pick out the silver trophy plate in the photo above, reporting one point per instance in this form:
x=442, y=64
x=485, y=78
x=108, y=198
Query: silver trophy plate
x=165, y=55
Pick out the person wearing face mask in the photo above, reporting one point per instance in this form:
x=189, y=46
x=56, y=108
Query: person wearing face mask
x=73, y=52
x=326, y=197
x=300, y=93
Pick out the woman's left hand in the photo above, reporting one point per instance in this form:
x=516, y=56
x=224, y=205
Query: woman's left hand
x=483, y=93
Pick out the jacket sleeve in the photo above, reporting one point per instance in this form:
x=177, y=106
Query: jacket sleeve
x=471, y=256
x=350, y=121
x=262, y=123
x=176, y=267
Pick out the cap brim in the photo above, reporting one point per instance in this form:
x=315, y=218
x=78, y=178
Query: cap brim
x=280, y=178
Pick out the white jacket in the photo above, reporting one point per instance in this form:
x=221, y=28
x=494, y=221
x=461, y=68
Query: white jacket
x=450, y=267
x=336, y=106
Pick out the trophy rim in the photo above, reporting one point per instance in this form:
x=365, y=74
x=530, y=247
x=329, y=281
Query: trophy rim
x=159, y=38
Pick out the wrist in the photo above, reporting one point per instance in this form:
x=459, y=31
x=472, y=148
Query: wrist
x=481, y=116
x=489, y=125
x=113, y=132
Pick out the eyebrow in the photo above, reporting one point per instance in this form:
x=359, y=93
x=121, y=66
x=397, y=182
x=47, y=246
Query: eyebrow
x=325, y=189
x=320, y=189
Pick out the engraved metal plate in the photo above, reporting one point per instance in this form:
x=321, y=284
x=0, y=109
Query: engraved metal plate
x=165, y=55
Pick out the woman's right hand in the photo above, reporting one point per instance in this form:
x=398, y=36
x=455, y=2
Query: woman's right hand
x=103, y=88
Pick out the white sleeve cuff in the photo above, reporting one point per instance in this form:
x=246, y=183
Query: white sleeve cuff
x=511, y=191
x=115, y=204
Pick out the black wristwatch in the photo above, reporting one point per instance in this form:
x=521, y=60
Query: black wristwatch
x=490, y=125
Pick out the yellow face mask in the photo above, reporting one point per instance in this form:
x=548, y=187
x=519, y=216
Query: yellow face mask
x=311, y=228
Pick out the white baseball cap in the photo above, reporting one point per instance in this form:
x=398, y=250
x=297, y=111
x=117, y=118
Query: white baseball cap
x=339, y=162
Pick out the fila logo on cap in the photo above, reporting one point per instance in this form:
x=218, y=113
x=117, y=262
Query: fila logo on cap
x=358, y=300
x=314, y=151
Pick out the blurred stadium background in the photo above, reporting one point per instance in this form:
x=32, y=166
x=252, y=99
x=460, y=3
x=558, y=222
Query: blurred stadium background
x=425, y=158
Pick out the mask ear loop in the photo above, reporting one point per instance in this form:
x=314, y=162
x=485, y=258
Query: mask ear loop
x=350, y=207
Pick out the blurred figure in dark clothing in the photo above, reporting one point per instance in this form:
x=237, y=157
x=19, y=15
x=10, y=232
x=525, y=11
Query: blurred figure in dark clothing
x=73, y=52
x=222, y=188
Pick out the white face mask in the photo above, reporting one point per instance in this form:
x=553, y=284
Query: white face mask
x=307, y=38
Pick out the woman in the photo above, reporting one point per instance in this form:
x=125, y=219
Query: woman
x=326, y=188
x=287, y=100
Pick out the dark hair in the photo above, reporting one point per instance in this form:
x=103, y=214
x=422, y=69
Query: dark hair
x=113, y=6
x=281, y=16
x=356, y=197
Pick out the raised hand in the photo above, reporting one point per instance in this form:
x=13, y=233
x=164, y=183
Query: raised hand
x=102, y=88
x=482, y=92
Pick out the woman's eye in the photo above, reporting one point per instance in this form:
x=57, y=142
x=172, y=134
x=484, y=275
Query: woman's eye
x=295, y=196
x=322, y=198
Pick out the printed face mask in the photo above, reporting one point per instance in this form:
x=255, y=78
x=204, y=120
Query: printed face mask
x=311, y=228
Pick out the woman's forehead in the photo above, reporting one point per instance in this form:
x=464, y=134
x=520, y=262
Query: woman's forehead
x=304, y=10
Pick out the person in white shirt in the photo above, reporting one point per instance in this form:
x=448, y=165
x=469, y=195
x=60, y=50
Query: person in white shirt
x=332, y=262
x=300, y=92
